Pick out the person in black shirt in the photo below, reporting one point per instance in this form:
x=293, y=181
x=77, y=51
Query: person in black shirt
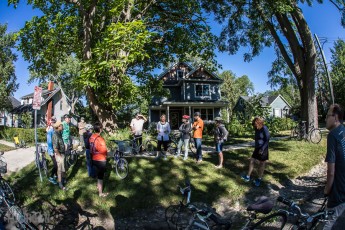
x=262, y=137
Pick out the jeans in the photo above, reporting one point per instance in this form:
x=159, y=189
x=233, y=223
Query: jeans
x=90, y=169
x=198, y=142
x=184, y=142
x=138, y=141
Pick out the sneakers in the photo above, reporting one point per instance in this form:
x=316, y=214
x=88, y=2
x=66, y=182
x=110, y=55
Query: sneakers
x=52, y=180
x=246, y=178
x=185, y=158
x=218, y=166
x=257, y=182
x=177, y=155
x=199, y=161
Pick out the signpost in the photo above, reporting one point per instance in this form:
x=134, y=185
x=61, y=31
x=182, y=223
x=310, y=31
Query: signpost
x=36, y=105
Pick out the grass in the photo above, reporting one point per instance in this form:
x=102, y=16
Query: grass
x=152, y=183
x=6, y=148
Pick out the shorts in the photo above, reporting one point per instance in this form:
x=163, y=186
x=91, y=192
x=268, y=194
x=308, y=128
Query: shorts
x=60, y=160
x=219, y=147
x=261, y=157
x=336, y=221
x=100, y=167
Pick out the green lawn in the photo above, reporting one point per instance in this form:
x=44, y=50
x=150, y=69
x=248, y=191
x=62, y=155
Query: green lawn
x=153, y=183
x=5, y=148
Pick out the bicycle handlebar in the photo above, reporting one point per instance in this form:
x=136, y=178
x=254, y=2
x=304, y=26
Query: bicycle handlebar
x=292, y=205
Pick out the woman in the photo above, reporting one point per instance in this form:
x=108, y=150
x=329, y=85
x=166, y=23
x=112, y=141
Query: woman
x=262, y=137
x=184, y=129
x=220, y=135
x=163, y=130
x=98, y=151
x=50, y=150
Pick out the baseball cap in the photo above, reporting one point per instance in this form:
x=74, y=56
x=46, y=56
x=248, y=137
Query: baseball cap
x=185, y=117
x=197, y=114
x=57, y=124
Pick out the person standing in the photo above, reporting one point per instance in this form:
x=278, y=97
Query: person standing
x=184, y=129
x=59, y=151
x=136, y=125
x=262, y=137
x=220, y=135
x=66, y=136
x=163, y=130
x=86, y=136
x=99, y=151
x=198, y=127
x=335, y=158
x=82, y=130
x=50, y=150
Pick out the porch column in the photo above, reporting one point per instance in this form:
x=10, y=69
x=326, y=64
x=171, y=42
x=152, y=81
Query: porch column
x=190, y=111
x=168, y=113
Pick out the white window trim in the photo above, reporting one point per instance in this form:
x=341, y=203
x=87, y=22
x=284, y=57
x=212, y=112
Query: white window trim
x=209, y=96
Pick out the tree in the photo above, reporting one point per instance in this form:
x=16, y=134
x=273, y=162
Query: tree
x=261, y=23
x=338, y=71
x=340, y=5
x=7, y=71
x=115, y=40
x=233, y=87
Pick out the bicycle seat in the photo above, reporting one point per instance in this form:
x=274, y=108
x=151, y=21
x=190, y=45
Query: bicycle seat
x=263, y=205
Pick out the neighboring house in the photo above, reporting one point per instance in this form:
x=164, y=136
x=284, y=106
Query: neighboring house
x=191, y=90
x=60, y=106
x=6, y=117
x=278, y=106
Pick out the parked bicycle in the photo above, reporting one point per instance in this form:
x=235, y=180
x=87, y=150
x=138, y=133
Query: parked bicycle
x=191, y=147
x=41, y=160
x=19, y=143
x=311, y=134
x=120, y=164
x=74, y=150
x=4, y=185
x=306, y=221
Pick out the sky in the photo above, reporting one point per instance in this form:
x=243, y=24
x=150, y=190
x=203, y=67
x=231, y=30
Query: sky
x=323, y=20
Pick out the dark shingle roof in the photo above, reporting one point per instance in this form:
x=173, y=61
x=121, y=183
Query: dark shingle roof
x=14, y=102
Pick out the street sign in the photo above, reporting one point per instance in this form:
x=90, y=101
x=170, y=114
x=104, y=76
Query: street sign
x=36, y=103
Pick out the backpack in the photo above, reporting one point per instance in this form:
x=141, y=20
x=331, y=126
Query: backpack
x=93, y=147
x=225, y=135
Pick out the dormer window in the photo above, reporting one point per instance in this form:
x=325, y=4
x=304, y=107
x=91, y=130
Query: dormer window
x=202, y=90
x=179, y=73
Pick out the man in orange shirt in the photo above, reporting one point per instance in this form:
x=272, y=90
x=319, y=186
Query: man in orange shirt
x=98, y=151
x=198, y=127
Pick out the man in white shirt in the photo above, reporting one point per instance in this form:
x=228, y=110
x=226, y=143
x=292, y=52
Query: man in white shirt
x=137, y=124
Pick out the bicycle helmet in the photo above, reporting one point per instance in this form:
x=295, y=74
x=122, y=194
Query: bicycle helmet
x=88, y=127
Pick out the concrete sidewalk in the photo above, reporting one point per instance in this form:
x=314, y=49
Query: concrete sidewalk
x=18, y=158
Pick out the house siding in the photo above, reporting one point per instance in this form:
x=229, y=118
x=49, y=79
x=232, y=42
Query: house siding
x=277, y=107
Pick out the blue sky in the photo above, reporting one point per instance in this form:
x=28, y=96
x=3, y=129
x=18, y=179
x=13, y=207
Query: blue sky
x=324, y=20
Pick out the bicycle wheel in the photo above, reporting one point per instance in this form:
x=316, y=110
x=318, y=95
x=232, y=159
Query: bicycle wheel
x=271, y=222
x=192, y=147
x=72, y=158
x=121, y=168
x=315, y=136
x=172, y=147
x=177, y=216
x=151, y=147
x=294, y=132
x=7, y=191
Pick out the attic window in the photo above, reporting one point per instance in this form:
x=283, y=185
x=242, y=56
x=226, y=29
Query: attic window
x=179, y=73
x=202, y=90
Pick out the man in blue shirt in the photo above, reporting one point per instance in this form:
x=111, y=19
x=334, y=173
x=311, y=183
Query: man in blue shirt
x=335, y=158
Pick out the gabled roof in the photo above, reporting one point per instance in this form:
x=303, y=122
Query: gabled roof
x=31, y=95
x=52, y=93
x=205, y=70
x=266, y=101
x=171, y=67
x=14, y=102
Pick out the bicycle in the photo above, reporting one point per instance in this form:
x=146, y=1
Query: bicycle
x=41, y=160
x=120, y=164
x=306, y=221
x=300, y=132
x=191, y=146
x=148, y=144
x=74, y=150
x=4, y=185
x=19, y=143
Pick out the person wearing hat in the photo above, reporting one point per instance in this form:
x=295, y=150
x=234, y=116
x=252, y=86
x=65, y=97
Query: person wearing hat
x=137, y=125
x=220, y=135
x=82, y=130
x=184, y=129
x=59, y=151
x=198, y=127
x=50, y=150
x=86, y=136
x=66, y=136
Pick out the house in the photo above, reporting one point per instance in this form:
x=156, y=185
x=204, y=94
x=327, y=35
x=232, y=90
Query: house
x=190, y=90
x=53, y=103
x=6, y=117
x=278, y=106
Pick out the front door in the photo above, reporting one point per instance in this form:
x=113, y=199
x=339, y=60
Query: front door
x=175, y=119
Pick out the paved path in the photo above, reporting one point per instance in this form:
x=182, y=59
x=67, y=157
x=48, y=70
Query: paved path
x=18, y=158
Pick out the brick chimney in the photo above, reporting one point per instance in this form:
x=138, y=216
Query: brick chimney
x=50, y=102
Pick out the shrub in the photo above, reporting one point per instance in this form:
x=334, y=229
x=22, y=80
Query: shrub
x=28, y=135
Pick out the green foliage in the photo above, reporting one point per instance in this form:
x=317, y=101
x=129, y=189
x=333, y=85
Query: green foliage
x=26, y=119
x=236, y=127
x=28, y=135
x=278, y=124
x=338, y=71
x=7, y=71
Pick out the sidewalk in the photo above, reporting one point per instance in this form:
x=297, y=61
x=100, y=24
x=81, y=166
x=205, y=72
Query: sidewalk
x=18, y=158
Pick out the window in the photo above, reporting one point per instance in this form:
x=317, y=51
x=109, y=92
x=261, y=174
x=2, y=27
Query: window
x=202, y=90
x=179, y=73
x=206, y=114
x=61, y=105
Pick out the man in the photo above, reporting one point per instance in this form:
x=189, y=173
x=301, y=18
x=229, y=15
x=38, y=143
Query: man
x=335, y=158
x=59, y=151
x=137, y=124
x=82, y=130
x=198, y=127
x=220, y=136
x=66, y=136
